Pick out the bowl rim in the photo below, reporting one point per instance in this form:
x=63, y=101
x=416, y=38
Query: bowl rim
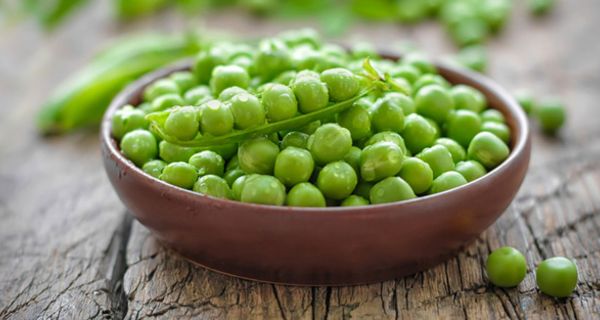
x=514, y=112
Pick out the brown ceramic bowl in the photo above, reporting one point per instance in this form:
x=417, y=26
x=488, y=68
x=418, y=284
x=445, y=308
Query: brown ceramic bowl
x=320, y=246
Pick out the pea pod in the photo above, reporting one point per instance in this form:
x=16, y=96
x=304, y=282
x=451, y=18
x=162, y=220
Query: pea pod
x=82, y=100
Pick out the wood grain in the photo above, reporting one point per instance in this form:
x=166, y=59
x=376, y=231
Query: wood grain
x=68, y=250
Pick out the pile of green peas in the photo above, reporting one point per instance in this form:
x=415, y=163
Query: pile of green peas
x=557, y=276
x=424, y=137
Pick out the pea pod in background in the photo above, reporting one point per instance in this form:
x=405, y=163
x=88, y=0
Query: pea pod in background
x=82, y=99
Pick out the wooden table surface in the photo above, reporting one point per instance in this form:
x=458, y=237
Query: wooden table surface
x=69, y=250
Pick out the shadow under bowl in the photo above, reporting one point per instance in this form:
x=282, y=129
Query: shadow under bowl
x=320, y=246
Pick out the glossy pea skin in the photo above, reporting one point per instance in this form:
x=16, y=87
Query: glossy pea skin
x=556, y=277
x=238, y=186
x=312, y=94
x=174, y=153
x=405, y=102
x=446, y=181
x=139, y=146
x=206, y=61
x=550, y=115
x=456, y=150
x=391, y=189
x=184, y=80
x=488, y=149
x=231, y=92
x=492, y=115
x=180, y=174
x=216, y=118
x=329, y=143
x=407, y=72
x=154, y=167
x=337, y=180
x=231, y=175
x=387, y=115
x=380, y=160
x=212, y=185
x=126, y=120
x=258, y=155
x=418, y=133
x=263, y=189
x=357, y=120
x=417, y=173
x=279, y=101
x=228, y=76
x=462, y=126
x=293, y=165
x=468, y=98
x=247, y=111
x=272, y=58
x=388, y=136
x=506, y=267
x=434, y=102
x=341, y=83
x=470, y=169
x=183, y=123
x=208, y=162
x=166, y=101
x=429, y=79
x=161, y=87
x=438, y=158
x=353, y=158
x=419, y=61
x=305, y=194
x=197, y=95
x=354, y=201
x=501, y=130
x=295, y=139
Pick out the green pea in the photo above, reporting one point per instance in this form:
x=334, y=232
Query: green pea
x=418, y=133
x=380, y=160
x=228, y=76
x=417, y=174
x=206, y=61
x=197, y=95
x=427, y=80
x=446, y=181
x=462, y=126
x=405, y=102
x=258, y=155
x=279, y=102
x=556, y=277
x=551, y=115
x=419, y=61
x=154, y=167
x=438, y=158
x=329, y=143
x=272, y=58
x=295, y=139
x=496, y=12
x=182, y=123
x=180, y=174
x=263, y=190
x=238, y=186
x=159, y=88
x=391, y=189
x=436, y=128
x=473, y=57
x=361, y=50
x=354, y=201
x=488, y=149
x=139, y=146
x=337, y=180
x=492, y=115
x=468, y=98
x=407, y=72
x=506, y=267
x=433, y=101
x=469, y=31
x=357, y=120
x=388, y=136
x=311, y=127
x=501, y=130
x=231, y=175
x=540, y=7
x=285, y=78
x=305, y=36
x=341, y=84
x=308, y=74
x=233, y=163
x=525, y=100
x=174, y=153
x=293, y=165
x=126, y=120
x=216, y=118
x=231, y=92
x=213, y=186
x=312, y=94
x=208, y=162
x=456, y=150
x=470, y=169
x=184, y=80
x=247, y=111
x=411, y=11
x=305, y=194
x=166, y=101
x=387, y=115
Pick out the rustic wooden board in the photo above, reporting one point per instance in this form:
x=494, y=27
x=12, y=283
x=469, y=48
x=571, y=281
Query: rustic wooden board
x=68, y=250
